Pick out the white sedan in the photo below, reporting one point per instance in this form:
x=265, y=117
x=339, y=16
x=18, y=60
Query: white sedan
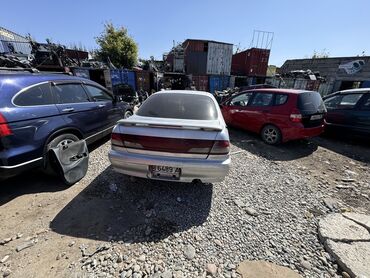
x=176, y=136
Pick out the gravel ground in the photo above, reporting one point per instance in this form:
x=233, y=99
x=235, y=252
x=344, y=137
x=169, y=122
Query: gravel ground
x=109, y=225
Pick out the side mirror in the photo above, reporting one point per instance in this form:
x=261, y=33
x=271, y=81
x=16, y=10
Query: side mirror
x=115, y=99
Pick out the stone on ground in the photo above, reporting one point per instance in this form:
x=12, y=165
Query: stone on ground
x=362, y=219
x=336, y=227
x=263, y=269
x=353, y=257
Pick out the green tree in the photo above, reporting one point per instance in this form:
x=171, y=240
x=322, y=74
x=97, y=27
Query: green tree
x=320, y=54
x=118, y=46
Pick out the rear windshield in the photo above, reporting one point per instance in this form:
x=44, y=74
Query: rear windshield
x=310, y=103
x=179, y=106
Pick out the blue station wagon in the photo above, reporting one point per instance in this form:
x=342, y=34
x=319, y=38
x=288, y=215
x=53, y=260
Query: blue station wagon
x=42, y=111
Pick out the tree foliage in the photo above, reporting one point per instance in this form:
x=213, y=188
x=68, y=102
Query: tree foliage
x=115, y=44
x=320, y=54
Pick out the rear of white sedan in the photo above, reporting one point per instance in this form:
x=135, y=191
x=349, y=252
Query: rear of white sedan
x=175, y=136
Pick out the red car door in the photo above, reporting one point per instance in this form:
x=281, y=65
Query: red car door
x=234, y=110
x=259, y=110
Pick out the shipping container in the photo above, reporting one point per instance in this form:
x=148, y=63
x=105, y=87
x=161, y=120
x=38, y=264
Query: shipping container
x=196, y=63
x=143, y=80
x=219, y=58
x=251, y=62
x=218, y=83
x=232, y=82
x=115, y=76
x=119, y=76
x=365, y=84
x=200, y=82
x=195, y=45
x=128, y=77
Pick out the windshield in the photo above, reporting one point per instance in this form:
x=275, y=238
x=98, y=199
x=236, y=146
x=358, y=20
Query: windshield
x=179, y=106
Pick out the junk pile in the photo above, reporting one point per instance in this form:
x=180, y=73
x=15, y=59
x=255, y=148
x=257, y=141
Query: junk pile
x=46, y=57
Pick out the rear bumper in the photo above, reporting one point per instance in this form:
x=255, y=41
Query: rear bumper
x=137, y=165
x=11, y=171
x=296, y=133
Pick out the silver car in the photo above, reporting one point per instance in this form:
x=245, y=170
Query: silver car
x=176, y=136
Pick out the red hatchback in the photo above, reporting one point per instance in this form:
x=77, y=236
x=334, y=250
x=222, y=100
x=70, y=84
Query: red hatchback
x=278, y=115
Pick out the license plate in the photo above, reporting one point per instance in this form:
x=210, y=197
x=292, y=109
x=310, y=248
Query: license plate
x=316, y=117
x=165, y=172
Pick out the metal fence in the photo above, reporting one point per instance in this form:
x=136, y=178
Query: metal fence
x=15, y=47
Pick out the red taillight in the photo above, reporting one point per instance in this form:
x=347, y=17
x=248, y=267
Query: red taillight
x=4, y=127
x=221, y=147
x=296, y=116
x=116, y=139
x=171, y=145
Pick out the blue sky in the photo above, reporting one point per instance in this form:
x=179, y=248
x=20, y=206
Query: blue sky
x=300, y=27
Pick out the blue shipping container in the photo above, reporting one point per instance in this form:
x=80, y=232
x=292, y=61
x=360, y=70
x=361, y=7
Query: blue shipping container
x=115, y=76
x=119, y=76
x=218, y=83
x=365, y=84
x=128, y=77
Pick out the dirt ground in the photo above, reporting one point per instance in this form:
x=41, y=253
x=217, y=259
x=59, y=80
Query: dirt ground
x=57, y=220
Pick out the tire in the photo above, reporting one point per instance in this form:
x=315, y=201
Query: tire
x=271, y=135
x=128, y=114
x=64, y=139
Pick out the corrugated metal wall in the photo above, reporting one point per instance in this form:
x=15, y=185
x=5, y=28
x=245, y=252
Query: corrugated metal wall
x=9, y=39
x=219, y=58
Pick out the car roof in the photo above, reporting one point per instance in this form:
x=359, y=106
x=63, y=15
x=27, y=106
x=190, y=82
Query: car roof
x=276, y=91
x=354, y=91
x=27, y=79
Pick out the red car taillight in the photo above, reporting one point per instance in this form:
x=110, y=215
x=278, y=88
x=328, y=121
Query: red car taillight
x=296, y=116
x=116, y=140
x=172, y=145
x=221, y=147
x=4, y=127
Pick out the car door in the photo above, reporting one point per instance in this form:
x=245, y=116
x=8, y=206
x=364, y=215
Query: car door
x=77, y=108
x=110, y=112
x=234, y=110
x=342, y=109
x=361, y=115
x=259, y=110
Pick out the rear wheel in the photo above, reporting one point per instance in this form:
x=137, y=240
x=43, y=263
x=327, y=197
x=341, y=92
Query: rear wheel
x=61, y=140
x=271, y=135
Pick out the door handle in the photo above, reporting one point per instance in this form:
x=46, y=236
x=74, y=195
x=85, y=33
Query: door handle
x=265, y=111
x=101, y=105
x=70, y=109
